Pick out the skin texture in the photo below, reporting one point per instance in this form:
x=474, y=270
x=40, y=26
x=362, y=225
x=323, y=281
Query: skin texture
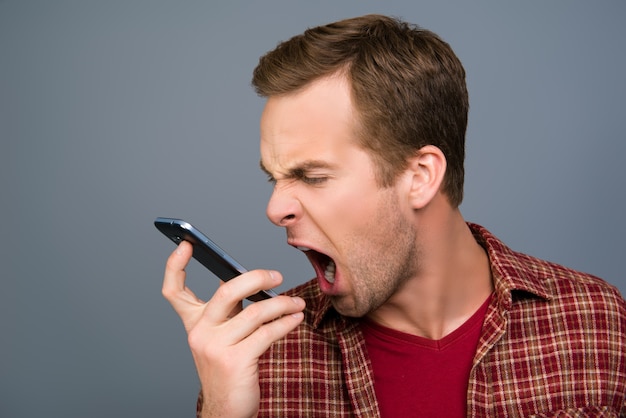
x=327, y=197
x=404, y=256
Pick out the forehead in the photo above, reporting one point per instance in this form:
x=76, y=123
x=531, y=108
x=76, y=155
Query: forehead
x=315, y=123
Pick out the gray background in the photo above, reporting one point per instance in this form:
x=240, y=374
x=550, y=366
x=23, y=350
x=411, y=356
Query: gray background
x=115, y=112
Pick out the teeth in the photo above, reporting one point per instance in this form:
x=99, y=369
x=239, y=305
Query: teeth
x=329, y=273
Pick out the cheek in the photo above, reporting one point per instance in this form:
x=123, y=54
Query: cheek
x=352, y=207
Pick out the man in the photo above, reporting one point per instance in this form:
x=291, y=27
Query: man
x=414, y=312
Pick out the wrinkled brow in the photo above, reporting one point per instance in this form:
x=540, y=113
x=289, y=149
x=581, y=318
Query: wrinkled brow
x=300, y=169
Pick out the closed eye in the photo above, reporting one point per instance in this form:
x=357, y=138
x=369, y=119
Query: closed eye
x=270, y=177
x=307, y=177
x=306, y=173
x=313, y=181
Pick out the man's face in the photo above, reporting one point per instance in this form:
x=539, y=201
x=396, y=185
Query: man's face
x=358, y=236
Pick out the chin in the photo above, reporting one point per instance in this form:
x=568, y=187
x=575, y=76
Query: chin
x=348, y=307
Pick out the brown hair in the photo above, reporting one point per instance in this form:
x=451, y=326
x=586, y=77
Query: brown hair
x=408, y=88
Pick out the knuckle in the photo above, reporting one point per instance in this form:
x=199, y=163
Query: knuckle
x=196, y=340
x=200, y=342
x=168, y=293
x=171, y=292
x=252, y=313
x=274, y=330
x=265, y=332
x=170, y=263
x=209, y=350
x=224, y=293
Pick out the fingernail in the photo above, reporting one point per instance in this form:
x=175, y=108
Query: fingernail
x=274, y=275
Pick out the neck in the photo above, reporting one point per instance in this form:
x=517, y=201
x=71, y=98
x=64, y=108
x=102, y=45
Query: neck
x=453, y=280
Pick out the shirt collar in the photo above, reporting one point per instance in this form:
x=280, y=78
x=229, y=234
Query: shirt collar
x=513, y=273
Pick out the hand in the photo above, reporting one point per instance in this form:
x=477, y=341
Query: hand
x=226, y=341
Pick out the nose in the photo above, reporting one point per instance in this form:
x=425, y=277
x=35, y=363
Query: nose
x=283, y=209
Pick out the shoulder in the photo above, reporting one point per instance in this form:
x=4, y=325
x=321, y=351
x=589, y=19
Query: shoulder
x=569, y=290
x=551, y=302
x=517, y=276
x=551, y=328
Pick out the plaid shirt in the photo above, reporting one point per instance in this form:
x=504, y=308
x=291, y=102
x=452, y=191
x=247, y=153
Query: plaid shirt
x=552, y=345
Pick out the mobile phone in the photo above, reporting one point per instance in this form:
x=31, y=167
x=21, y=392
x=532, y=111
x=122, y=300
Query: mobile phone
x=206, y=252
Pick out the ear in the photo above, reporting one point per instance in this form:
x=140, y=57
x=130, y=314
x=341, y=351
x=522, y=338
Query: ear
x=426, y=170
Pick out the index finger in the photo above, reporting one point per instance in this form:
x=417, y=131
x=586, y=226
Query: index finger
x=228, y=298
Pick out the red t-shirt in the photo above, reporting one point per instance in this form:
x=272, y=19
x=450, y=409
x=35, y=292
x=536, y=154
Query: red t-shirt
x=416, y=376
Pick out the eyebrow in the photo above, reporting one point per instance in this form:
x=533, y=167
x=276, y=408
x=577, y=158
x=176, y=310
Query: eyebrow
x=302, y=168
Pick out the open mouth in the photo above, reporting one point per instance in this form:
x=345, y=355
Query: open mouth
x=323, y=265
